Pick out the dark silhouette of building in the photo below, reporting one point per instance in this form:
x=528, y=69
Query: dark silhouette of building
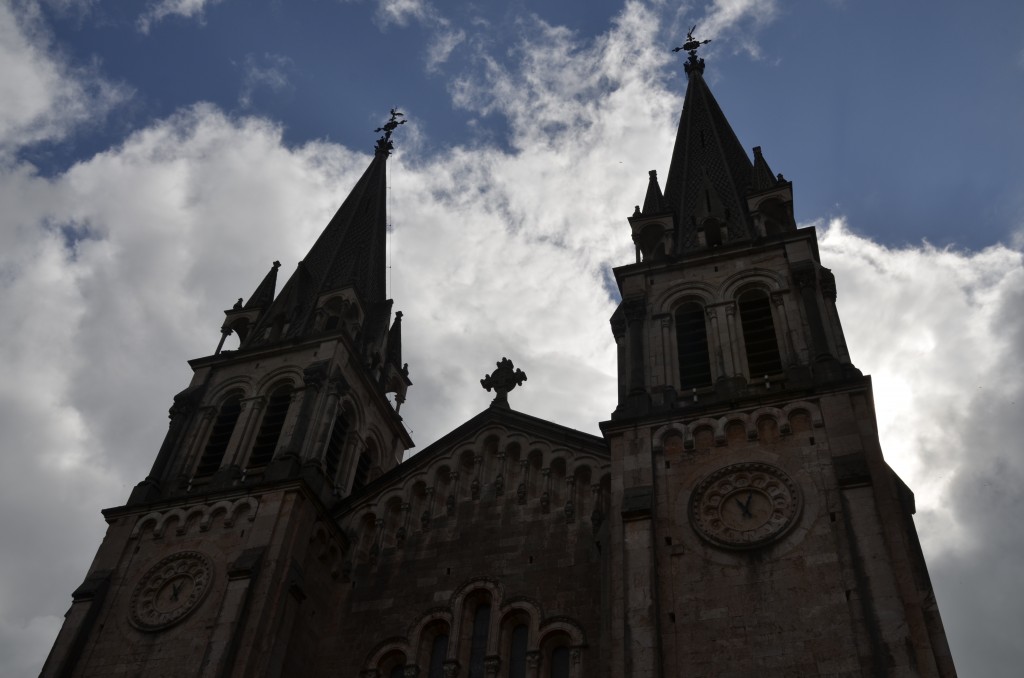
x=736, y=518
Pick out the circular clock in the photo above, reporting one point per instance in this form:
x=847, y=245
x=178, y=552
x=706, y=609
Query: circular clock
x=744, y=505
x=170, y=590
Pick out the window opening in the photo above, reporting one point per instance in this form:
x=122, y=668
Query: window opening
x=335, y=444
x=692, y=340
x=560, y=663
x=438, y=652
x=759, y=334
x=271, y=427
x=478, y=643
x=517, y=652
x=362, y=472
x=220, y=436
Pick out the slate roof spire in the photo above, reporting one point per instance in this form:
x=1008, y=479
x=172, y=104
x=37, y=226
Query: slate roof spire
x=709, y=167
x=350, y=253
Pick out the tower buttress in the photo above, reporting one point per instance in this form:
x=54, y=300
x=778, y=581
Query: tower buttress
x=755, y=522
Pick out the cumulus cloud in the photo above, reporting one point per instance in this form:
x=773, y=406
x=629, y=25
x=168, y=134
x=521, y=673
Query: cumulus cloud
x=118, y=270
x=44, y=98
x=161, y=9
x=941, y=332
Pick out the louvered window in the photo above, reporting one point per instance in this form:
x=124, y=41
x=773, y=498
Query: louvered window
x=438, y=652
x=759, y=336
x=362, y=472
x=271, y=427
x=692, y=340
x=220, y=436
x=560, y=663
x=517, y=652
x=335, y=446
x=478, y=642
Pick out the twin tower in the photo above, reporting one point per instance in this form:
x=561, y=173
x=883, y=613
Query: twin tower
x=735, y=519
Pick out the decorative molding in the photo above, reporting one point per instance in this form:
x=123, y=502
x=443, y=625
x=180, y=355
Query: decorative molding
x=186, y=516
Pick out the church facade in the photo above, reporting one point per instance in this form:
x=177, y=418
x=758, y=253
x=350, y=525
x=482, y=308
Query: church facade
x=736, y=518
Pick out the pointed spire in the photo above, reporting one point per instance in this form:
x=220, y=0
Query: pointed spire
x=654, y=200
x=350, y=252
x=264, y=294
x=763, y=178
x=706, y=146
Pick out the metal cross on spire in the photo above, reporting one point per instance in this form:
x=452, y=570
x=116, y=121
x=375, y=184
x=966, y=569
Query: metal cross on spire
x=691, y=45
x=384, y=143
x=503, y=380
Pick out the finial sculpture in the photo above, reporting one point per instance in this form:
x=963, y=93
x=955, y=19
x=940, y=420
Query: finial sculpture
x=691, y=45
x=503, y=380
x=384, y=144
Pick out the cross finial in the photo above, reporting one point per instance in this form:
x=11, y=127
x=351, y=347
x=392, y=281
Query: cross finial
x=693, y=63
x=503, y=380
x=384, y=144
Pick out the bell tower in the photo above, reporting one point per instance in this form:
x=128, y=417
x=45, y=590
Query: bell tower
x=758, y=529
x=225, y=558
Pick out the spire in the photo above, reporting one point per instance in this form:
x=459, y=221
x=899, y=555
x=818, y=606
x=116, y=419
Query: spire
x=349, y=254
x=706, y=150
x=763, y=178
x=264, y=294
x=654, y=200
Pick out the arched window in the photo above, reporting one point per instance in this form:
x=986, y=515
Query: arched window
x=220, y=436
x=692, y=343
x=362, y=472
x=438, y=652
x=517, y=652
x=271, y=427
x=335, y=446
x=560, y=662
x=478, y=641
x=759, y=336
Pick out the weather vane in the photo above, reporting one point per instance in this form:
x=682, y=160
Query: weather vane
x=384, y=143
x=691, y=45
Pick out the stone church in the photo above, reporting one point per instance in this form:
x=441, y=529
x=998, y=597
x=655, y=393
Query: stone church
x=736, y=517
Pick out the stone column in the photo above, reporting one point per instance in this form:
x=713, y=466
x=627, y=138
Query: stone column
x=828, y=290
x=732, y=340
x=428, y=509
x=782, y=322
x=806, y=279
x=570, y=492
x=524, y=480
x=545, y=497
x=533, y=664
x=499, y=480
x=245, y=430
x=478, y=462
x=453, y=492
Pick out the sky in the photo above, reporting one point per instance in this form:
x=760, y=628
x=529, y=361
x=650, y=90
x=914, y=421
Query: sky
x=156, y=157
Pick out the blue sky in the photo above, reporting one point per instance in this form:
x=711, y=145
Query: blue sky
x=901, y=116
x=156, y=157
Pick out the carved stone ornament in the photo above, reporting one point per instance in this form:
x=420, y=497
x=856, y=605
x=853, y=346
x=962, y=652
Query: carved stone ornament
x=744, y=506
x=170, y=590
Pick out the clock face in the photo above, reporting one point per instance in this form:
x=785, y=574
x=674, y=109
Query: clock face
x=170, y=590
x=744, y=505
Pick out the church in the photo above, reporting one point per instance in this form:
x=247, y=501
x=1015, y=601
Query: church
x=736, y=517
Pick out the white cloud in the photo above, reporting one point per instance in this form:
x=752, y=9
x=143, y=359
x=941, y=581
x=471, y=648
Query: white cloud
x=269, y=71
x=118, y=270
x=400, y=12
x=42, y=97
x=161, y=9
